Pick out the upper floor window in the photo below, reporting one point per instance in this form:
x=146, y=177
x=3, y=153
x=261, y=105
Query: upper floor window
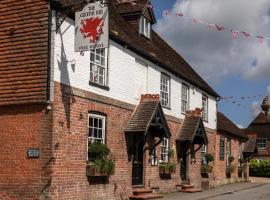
x=261, y=143
x=98, y=66
x=184, y=98
x=165, y=90
x=96, y=128
x=204, y=108
x=145, y=27
x=164, y=150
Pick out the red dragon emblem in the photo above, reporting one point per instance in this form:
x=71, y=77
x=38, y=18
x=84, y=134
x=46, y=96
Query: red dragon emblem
x=92, y=28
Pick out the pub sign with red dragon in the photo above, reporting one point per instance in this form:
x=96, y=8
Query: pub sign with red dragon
x=91, y=27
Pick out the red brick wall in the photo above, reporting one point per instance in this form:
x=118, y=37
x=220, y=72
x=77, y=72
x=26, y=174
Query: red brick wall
x=70, y=150
x=21, y=128
x=220, y=165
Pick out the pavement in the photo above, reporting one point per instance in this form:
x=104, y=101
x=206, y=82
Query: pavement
x=257, y=186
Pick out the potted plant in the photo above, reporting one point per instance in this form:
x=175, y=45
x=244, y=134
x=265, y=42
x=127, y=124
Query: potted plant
x=167, y=168
x=207, y=168
x=99, y=164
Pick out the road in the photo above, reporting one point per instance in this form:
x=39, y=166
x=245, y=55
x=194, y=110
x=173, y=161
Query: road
x=238, y=191
x=257, y=193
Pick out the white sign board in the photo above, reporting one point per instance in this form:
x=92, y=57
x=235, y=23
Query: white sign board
x=92, y=27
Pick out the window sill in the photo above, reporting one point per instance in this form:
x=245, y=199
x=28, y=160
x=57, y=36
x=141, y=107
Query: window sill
x=104, y=87
x=168, y=108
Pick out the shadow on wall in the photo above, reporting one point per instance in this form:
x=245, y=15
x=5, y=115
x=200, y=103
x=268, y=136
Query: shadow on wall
x=63, y=64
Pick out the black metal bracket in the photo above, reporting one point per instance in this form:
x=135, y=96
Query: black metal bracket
x=60, y=17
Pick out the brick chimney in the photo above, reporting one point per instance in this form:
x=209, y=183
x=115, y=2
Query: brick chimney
x=195, y=113
x=265, y=105
x=149, y=97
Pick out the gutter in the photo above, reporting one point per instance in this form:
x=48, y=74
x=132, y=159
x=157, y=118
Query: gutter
x=49, y=53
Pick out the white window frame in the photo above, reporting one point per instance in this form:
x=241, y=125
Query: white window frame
x=164, y=150
x=204, y=107
x=154, y=158
x=98, y=62
x=184, y=98
x=165, y=82
x=262, y=143
x=91, y=126
x=145, y=27
x=203, y=152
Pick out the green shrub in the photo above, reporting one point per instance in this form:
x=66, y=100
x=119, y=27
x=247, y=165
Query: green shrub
x=97, y=151
x=209, y=157
x=259, y=168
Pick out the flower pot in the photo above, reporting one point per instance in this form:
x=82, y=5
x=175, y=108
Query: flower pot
x=94, y=171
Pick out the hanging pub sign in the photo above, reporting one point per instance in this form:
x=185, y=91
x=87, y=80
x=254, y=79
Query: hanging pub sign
x=91, y=27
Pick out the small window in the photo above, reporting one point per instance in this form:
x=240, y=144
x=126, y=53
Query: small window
x=145, y=27
x=165, y=90
x=164, y=150
x=154, y=158
x=261, y=143
x=98, y=66
x=184, y=98
x=204, y=108
x=221, y=148
x=96, y=128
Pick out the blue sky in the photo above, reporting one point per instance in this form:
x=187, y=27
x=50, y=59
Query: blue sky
x=239, y=67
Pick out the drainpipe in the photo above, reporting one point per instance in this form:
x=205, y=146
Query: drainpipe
x=49, y=54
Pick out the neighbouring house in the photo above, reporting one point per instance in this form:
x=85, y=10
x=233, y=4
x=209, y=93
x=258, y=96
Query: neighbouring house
x=230, y=143
x=140, y=108
x=259, y=129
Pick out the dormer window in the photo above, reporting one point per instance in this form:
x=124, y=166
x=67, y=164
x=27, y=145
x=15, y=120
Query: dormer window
x=145, y=27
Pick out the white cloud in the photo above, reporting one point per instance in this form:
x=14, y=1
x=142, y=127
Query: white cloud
x=240, y=126
x=215, y=55
x=255, y=108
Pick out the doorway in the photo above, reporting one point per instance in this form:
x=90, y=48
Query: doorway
x=137, y=162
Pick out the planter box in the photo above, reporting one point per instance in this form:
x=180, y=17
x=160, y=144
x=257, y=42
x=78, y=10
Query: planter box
x=92, y=171
x=166, y=170
x=205, y=169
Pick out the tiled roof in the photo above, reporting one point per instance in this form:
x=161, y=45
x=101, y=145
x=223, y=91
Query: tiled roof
x=148, y=116
x=137, y=6
x=261, y=125
x=225, y=124
x=142, y=117
x=187, y=131
x=155, y=49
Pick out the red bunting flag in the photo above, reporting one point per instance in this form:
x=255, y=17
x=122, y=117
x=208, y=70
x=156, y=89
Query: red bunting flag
x=245, y=34
x=219, y=28
x=179, y=14
x=234, y=34
x=260, y=38
x=165, y=12
x=194, y=20
x=210, y=25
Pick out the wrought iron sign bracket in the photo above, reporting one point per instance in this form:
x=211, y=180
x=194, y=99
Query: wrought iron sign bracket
x=60, y=17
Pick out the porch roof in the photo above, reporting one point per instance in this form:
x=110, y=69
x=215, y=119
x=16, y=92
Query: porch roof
x=192, y=130
x=148, y=114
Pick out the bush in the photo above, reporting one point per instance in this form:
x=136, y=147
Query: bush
x=259, y=168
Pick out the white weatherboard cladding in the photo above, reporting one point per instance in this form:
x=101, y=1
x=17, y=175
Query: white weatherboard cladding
x=129, y=75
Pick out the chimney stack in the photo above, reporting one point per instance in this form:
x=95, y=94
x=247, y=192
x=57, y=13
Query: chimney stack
x=265, y=105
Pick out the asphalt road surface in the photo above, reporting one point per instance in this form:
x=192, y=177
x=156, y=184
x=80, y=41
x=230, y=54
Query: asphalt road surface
x=257, y=193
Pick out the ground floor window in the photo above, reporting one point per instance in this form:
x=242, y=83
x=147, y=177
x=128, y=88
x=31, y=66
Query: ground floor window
x=164, y=150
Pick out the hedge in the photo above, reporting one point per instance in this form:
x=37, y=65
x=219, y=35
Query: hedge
x=259, y=168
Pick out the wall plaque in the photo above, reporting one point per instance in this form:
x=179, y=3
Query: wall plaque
x=32, y=153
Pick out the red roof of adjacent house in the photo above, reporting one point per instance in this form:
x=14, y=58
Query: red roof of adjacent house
x=261, y=125
x=224, y=124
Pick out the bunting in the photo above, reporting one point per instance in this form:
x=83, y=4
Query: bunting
x=234, y=32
